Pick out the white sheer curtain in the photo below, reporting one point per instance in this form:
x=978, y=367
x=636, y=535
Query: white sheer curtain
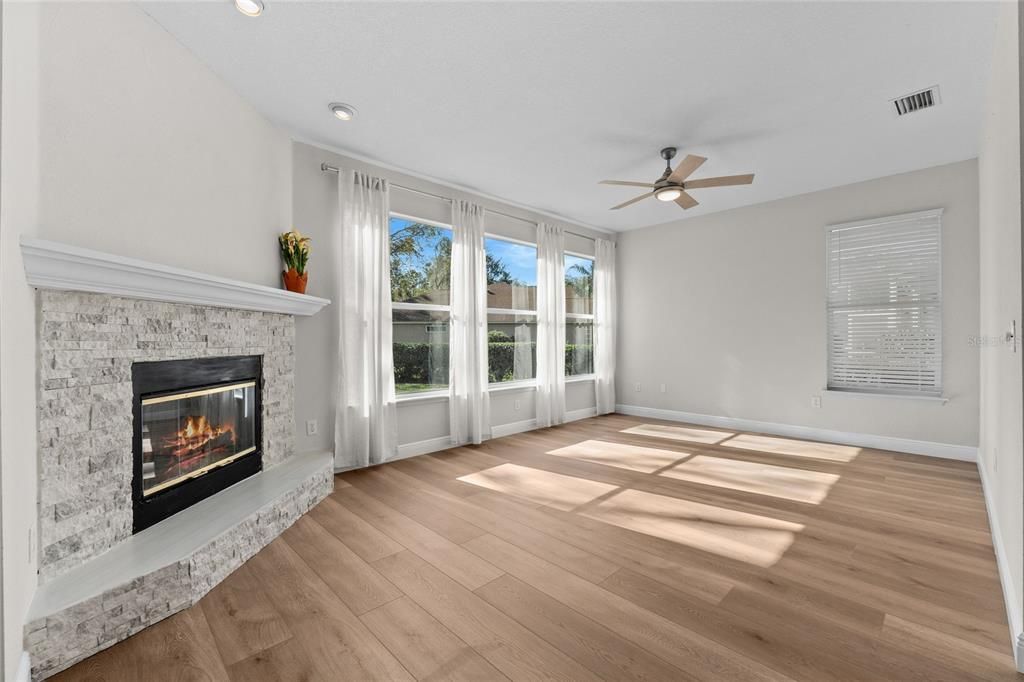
x=550, y=325
x=365, y=423
x=469, y=404
x=604, y=325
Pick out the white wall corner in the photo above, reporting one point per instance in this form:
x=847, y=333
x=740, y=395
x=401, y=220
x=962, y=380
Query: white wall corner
x=966, y=453
x=24, y=668
x=1014, y=614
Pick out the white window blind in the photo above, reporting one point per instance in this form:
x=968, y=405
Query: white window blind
x=885, y=304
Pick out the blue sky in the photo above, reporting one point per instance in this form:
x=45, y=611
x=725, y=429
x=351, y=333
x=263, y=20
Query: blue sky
x=519, y=259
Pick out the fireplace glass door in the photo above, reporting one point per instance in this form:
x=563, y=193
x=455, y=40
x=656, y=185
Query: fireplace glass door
x=190, y=433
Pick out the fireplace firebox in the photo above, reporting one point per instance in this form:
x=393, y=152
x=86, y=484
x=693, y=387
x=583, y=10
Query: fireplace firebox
x=197, y=429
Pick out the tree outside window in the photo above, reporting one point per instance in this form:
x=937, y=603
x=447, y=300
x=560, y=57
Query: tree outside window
x=579, y=315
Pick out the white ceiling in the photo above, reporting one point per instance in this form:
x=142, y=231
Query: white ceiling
x=535, y=102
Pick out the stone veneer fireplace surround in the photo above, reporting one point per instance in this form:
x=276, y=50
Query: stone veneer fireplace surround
x=87, y=346
x=94, y=589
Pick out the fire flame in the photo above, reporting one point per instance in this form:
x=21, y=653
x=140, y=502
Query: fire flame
x=197, y=432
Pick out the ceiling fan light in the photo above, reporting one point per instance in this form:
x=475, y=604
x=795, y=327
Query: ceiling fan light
x=668, y=194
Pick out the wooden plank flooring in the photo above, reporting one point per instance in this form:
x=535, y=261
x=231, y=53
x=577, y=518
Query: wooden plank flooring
x=612, y=548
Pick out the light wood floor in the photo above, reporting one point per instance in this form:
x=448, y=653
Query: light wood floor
x=615, y=548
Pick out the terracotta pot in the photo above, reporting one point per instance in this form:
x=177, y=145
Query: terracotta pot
x=293, y=281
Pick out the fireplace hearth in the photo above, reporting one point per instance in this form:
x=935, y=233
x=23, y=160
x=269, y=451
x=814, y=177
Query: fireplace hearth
x=196, y=431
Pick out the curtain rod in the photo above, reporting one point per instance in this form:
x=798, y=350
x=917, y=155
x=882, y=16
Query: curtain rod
x=333, y=169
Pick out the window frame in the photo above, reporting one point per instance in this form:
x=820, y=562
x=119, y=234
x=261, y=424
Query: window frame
x=569, y=378
x=442, y=394
x=932, y=394
x=520, y=383
x=434, y=393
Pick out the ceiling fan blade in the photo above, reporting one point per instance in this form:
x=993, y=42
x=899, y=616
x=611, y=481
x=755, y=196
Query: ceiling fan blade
x=724, y=181
x=631, y=201
x=686, y=168
x=626, y=182
x=686, y=201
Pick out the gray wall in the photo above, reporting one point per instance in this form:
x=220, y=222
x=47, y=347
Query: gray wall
x=154, y=157
x=728, y=311
x=314, y=211
x=999, y=168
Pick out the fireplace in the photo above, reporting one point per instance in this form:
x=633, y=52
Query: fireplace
x=197, y=429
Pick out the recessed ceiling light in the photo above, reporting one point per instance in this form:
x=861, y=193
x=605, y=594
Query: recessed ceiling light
x=668, y=194
x=250, y=8
x=344, y=112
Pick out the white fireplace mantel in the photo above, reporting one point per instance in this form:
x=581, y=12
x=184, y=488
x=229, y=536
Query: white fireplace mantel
x=52, y=265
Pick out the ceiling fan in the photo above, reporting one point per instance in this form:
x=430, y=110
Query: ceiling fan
x=673, y=185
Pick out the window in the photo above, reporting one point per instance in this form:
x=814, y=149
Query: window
x=420, y=285
x=885, y=305
x=579, y=315
x=511, y=310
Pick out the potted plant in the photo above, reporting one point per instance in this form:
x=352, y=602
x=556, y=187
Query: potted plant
x=294, y=255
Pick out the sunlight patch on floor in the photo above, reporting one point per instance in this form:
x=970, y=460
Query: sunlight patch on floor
x=544, y=487
x=752, y=477
x=633, y=457
x=758, y=540
x=796, y=448
x=685, y=433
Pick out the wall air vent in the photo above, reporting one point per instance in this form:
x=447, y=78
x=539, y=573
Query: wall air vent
x=915, y=101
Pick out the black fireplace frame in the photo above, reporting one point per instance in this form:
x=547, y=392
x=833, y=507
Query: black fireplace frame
x=154, y=379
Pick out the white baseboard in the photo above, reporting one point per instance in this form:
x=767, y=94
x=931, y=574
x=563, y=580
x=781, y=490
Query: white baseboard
x=585, y=413
x=503, y=430
x=423, y=447
x=1013, y=606
x=24, y=673
x=965, y=453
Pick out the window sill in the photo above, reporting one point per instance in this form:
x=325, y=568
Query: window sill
x=893, y=396
x=422, y=397
x=512, y=386
x=431, y=396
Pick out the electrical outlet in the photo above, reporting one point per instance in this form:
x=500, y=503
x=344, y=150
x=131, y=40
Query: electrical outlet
x=515, y=406
x=815, y=401
x=638, y=388
x=311, y=427
x=663, y=388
